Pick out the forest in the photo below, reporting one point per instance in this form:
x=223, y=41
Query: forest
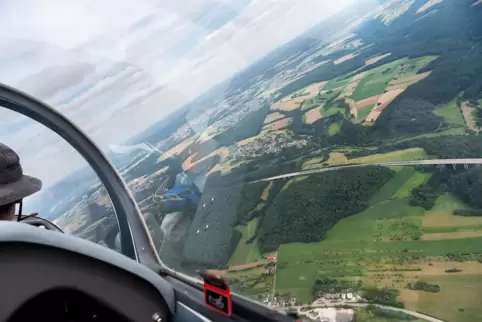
x=406, y=116
x=305, y=210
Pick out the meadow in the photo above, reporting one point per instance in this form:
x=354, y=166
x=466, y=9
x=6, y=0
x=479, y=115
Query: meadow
x=246, y=253
x=364, y=315
x=253, y=283
x=459, y=298
x=451, y=113
x=364, y=112
x=334, y=128
x=393, y=186
x=297, y=280
x=391, y=244
x=400, y=155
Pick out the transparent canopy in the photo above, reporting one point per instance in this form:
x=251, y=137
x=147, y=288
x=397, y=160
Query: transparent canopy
x=322, y=157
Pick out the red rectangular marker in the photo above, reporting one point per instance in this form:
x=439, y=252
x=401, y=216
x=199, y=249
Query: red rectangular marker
x=217, y=295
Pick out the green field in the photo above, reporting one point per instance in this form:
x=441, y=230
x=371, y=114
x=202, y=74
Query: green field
x=389, y=67
x=253, y=283
x=454, y=131
x=391, y=218
x=297, y=280
x=365, y=111
x=341, y=242
x=334, y=128
x=363, y=315
x=372, y=85
x=393, y=186
x=380, y=77
x=414, y=181
x=431, y=247
x=441, y=214
x=451, y=113
x=401, y=155
x=329, y=95
x=248, y=273
x=423, y=61
x=377, y=80
x=459, y=298
x=384, y=246
x=311, y=103
x=390, y=14
x=332, y=110
x=246, y=253
x=336, y=83
x=451, y=229
x=319, y=100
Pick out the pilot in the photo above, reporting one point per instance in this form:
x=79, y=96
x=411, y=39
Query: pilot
x=14, y=185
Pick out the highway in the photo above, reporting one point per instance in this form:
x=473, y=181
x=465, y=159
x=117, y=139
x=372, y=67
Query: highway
x=412, y=313
x=438, y=162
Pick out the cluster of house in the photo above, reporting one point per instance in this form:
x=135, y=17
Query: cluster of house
x=337, y=296
x=330, y=314
x=275, y=302
x=271, y=270
x=268, y=144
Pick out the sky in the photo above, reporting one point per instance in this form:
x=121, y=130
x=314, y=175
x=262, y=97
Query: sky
x=115, y=67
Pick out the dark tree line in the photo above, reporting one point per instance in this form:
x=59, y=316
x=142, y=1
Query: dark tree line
x=275, y=189
x=307, y=209
x=407, y=116
x=390, y=314
x=468, y=187
x=424, y=286
x=327, y=285
x=467, y=212
x=382, y=296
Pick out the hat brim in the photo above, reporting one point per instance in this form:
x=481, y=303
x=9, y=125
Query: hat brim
x=18, y=190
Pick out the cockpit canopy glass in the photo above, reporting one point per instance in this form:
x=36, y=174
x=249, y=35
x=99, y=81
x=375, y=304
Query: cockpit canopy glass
x=322, y=156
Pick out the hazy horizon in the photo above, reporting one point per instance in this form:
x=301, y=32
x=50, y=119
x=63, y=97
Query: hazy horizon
x=130, y=64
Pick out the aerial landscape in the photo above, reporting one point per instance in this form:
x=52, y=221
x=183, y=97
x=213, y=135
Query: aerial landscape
x=337, y=177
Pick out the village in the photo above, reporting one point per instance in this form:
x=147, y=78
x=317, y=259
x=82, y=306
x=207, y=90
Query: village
x=331, y=307
x=328, y=307
x=269, y=143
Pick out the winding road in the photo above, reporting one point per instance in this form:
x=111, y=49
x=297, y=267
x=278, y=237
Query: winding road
x=439, y=162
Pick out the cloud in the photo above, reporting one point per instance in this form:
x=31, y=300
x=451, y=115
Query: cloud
x=116, y=66
x=60, y=77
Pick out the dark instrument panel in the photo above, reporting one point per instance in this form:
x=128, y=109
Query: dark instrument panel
x=48, y=275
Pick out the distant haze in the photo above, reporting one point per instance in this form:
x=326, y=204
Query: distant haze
x=117, y=66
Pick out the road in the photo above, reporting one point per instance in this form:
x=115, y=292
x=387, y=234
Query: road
x=386, y=164
x=412, y=313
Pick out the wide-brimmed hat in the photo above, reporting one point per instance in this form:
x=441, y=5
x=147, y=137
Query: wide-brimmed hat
x=14, y=185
